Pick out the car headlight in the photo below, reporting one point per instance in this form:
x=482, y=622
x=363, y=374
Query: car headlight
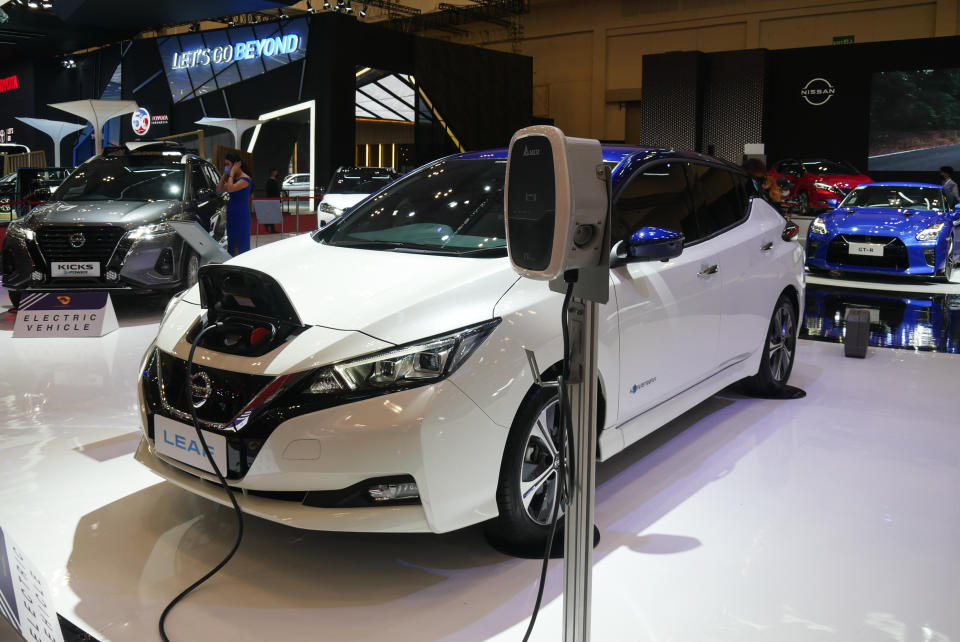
x=407, y=366
x=826, y=187
x=931, y=233
x=819, y=226
x=16, y=228
x=150, y=231
x=330, y=209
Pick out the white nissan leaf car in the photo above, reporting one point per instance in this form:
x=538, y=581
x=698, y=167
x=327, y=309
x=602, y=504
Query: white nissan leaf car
x=371, y=376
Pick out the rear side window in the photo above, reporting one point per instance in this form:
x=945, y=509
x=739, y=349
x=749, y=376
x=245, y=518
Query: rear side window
x=655, y=197
x=717, y=198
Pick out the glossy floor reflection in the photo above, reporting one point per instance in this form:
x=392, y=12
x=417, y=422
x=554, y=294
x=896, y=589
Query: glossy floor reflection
x=834, y=517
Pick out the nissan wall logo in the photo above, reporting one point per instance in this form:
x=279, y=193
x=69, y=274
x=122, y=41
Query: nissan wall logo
x=200, y=389
x=818, y=91
x=140, y=120
x=77, y=240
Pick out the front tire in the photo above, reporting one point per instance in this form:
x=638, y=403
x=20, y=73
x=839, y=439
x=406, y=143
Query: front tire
x=803, y=204
x=529, y=473
x=191, y=268
x=779, y=351
x=947, y=272
x=15, y=299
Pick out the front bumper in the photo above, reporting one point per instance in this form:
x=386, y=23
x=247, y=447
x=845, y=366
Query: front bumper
x=830, y=252
x=134, y=262
x=435, y=434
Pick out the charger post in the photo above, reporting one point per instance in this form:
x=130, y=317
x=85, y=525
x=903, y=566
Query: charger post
x=557, y=204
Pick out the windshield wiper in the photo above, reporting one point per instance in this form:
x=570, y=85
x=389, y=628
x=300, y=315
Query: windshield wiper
x=500, y=250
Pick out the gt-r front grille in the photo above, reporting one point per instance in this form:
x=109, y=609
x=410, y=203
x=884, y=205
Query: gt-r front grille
x=224, y=394
x=894, y=252
x=79, y=242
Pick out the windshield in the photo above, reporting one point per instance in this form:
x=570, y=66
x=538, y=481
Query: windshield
x=830, y=167
x=359, y=181
x=124, y=178
x=449, y=207
x=900, y=196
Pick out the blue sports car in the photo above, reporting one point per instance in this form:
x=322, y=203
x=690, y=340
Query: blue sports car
x=888, y=228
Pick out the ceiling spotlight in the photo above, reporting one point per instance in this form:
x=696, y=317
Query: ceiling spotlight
x=231, y=23
x=194, y=27
x=310, y=8
x=363, y=10
x=33, y=5
x=283, y=16
x=349, y=8
x=339, y=5
x=69, y=63
x=46, y=5
x=326, y=4
x=255, y=20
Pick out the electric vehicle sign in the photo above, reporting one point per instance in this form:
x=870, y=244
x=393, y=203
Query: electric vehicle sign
x=179, y=441
x=64, y=314
x=25, y=600
x=199, y=63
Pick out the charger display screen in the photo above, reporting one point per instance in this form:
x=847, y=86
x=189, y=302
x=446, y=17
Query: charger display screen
x=531, y=202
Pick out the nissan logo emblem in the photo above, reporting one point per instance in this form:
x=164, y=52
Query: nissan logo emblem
x=818, y=92
x=200, y=389
x=77, y=239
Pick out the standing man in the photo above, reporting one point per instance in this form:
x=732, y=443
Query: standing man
x=949, y=185
x=273, y=191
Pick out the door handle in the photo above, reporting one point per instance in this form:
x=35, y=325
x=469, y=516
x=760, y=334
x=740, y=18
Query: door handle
x=766, y=247
x=707, y=272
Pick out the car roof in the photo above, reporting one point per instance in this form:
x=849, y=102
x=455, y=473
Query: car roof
x=612, y=153
x=901, y=184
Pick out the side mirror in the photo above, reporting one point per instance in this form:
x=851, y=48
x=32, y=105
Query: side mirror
x=833, y=203
x=651, y=244
x=790, y=231
x=205, y=194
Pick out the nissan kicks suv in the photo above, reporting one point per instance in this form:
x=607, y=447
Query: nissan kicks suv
x=107, y=226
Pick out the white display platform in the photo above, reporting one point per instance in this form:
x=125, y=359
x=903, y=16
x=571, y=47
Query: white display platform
x=65, y=314
x=745, y=520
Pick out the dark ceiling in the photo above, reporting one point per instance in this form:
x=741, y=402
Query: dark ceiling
x=80, y=24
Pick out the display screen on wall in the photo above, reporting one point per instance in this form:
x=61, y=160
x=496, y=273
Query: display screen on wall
x=198, y=63
x=915, y=120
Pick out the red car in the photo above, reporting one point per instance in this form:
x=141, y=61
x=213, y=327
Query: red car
x=816, y=181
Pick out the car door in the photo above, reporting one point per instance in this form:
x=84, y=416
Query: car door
x=669, y=312
x=218, y=219
x=745, y=249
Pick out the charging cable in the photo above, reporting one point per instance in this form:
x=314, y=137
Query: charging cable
x=566, y=438
x=223, y=482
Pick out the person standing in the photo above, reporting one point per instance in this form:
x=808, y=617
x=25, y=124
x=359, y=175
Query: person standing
x=949, y=185
x=273, y=191
x=237, y=182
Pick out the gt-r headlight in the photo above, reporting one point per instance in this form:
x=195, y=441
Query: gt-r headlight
x=150, y=231
x=407, y=366
x=931, y=233
x=826, y=187
x=819, y=226
x=327, y=208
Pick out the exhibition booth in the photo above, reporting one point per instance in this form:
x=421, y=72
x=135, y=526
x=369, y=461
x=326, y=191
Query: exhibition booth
x=629, y=356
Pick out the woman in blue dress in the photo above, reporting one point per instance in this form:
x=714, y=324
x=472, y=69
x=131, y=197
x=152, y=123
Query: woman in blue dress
x=238, y=184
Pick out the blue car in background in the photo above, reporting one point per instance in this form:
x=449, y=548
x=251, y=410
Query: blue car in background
x=887, y=228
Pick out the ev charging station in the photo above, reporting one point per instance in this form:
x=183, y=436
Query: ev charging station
x=557, y=211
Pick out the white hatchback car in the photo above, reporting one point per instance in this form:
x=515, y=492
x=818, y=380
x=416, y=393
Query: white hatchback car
x=371, y=376
x=349, y=186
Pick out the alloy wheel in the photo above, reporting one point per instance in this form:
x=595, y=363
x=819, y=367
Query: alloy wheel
x=193, y=270
x=948, y=264
x=781, y=342
x=540, y=466
x=803, y=202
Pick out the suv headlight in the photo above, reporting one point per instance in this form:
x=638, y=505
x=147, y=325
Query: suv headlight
x=825, y=186
x=17, y=229
x=407, y=366
x=931, y=233
x=819, y=226
x=150, y=231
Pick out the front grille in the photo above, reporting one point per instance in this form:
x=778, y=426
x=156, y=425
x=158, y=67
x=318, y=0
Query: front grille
x=99, y=242
x=230, y=392
x=894, y=252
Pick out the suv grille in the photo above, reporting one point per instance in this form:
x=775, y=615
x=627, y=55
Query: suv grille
x=894, y=252
x=230, y=392
x=99, y=241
